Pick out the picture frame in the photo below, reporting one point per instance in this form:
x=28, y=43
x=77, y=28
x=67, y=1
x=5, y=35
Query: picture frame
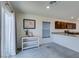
x=29, y=24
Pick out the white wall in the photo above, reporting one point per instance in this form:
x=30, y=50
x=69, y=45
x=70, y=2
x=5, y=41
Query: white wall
x=38, y=30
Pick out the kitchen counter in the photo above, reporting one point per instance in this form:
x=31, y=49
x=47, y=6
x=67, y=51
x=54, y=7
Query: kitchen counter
x=68, y=41
x=65, y=34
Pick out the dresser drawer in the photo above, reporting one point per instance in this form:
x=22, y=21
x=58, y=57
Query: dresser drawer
x=30, y=43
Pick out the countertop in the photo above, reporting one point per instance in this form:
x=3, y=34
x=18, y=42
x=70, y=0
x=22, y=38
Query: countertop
x=65, y=34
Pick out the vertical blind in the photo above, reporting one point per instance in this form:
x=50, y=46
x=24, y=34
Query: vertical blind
x=8, y=20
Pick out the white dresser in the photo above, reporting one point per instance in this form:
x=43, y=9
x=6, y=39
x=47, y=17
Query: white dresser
x=30, y=42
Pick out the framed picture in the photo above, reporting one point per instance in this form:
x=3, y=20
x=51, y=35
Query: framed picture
x=29, y=24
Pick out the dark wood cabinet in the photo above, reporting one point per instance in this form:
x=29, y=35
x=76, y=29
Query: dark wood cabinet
x=64, y=25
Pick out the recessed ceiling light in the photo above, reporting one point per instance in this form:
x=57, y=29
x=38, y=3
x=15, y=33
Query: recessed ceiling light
x=72, y=17
x=47, y=7
x=77, y=18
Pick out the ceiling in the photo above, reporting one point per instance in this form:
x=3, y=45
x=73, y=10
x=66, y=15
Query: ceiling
x=62, y=9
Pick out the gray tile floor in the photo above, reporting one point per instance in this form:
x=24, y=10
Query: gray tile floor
x=47, y=51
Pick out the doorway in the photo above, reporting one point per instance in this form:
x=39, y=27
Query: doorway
x=46, y=30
